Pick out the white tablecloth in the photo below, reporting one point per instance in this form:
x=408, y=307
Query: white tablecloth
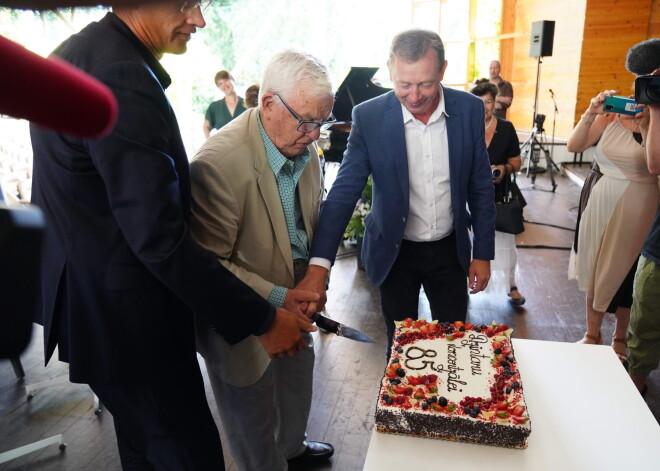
x=586, y=415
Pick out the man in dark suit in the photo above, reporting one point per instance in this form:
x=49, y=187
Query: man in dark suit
x=424, y=146
x=121, y=274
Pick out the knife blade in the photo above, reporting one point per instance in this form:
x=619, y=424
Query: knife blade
x=341, y=330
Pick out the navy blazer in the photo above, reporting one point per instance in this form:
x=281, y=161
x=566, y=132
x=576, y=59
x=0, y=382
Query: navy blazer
x=121, y=274
x=377, y=146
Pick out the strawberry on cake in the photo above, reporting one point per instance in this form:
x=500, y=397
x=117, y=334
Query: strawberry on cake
x=454, y=381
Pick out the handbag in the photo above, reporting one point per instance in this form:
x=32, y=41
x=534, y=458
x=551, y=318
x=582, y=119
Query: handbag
x=509, y=208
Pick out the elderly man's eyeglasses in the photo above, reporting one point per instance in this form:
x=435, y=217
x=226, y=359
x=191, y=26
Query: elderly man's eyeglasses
x=308, y=126
x=189, y=5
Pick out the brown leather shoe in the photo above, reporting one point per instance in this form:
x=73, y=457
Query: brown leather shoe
x=314, y=451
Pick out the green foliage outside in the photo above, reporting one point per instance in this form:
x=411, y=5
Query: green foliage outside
x=356, y=226
x=218, y=36
x=242, y=35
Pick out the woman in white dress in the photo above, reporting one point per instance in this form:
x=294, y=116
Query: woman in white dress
x=616, y=218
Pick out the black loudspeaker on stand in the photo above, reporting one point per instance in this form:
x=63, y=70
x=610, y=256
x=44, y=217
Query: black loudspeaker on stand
x=542, y=36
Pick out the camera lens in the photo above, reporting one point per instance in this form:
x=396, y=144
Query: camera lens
x=497, y=173
x=653, y=89
x=647, y=89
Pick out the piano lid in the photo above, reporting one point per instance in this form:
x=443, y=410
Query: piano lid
x=356, y=88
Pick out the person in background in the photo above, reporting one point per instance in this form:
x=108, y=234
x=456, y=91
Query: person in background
x=424, y=146
x=504, y=154
x=222, y=111
x=252, y=96
x=256, y=194
x=644, y=329
x=616, y=219
x=505, y=90
x=120, y=273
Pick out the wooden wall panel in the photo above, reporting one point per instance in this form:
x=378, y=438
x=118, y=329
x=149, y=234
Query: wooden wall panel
x=506, y=45
x=559, y=72
x=611, y=27
x=654, y=21
x=590, y=44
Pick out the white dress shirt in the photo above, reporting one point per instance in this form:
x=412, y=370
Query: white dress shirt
x=430, y=216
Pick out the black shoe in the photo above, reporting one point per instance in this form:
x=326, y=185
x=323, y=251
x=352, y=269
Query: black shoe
x=314, y=451
x=516, y=301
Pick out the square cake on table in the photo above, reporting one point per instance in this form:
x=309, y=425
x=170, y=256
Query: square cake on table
x=454, y=381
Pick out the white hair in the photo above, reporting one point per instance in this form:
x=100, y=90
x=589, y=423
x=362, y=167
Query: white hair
x=290, y=70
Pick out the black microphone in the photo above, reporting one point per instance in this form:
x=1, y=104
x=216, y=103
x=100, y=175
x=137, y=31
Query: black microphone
x=643, y=58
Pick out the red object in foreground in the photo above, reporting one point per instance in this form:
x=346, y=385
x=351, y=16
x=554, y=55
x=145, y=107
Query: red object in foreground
x=53, y=94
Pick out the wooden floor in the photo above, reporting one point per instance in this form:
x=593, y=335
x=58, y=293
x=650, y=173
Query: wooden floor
x=347, y=373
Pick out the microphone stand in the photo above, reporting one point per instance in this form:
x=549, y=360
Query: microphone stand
x=536, y=91
x=554, y=119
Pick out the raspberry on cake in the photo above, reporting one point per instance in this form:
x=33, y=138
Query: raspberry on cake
x=454, y=381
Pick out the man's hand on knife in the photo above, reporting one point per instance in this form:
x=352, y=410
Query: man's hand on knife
x=283, y=338
x=298, y=300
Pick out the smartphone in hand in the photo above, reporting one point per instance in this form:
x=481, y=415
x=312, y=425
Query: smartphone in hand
x=622, y=105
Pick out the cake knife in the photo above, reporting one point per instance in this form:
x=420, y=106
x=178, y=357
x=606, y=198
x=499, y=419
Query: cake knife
x=340, y=329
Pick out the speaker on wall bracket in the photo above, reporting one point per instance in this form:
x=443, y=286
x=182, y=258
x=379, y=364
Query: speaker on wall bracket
x=541, y=38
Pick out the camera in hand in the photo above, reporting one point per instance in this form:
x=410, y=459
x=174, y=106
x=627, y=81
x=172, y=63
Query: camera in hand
x=497, y=173
x=647, y=89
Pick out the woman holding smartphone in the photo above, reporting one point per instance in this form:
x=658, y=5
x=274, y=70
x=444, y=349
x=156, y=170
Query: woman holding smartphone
x=615, y=220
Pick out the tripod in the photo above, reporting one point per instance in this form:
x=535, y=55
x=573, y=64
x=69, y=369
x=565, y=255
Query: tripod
x=536, y=142
x=531, y=149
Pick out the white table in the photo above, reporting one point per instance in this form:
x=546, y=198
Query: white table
x=586, y=415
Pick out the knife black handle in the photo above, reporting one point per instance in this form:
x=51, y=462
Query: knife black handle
x=325, y=323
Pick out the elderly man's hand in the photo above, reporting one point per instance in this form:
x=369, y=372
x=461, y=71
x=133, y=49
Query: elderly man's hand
x=298, y=300
x=283, y=338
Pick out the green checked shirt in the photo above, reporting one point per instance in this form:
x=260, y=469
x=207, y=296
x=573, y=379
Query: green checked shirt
x=287, y=172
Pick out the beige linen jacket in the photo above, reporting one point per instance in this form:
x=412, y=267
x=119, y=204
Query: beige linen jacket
x=237, y=214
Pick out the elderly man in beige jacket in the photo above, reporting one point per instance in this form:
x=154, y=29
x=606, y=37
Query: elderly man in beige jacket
x=256, y=195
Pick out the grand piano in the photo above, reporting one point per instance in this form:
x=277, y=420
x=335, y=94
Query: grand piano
x=356, y=88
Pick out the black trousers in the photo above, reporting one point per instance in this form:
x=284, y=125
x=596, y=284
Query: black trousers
x=164, y=426
x=433, y=265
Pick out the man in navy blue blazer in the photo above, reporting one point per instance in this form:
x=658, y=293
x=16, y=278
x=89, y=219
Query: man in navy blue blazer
x=424, y=146
x=121, y=274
